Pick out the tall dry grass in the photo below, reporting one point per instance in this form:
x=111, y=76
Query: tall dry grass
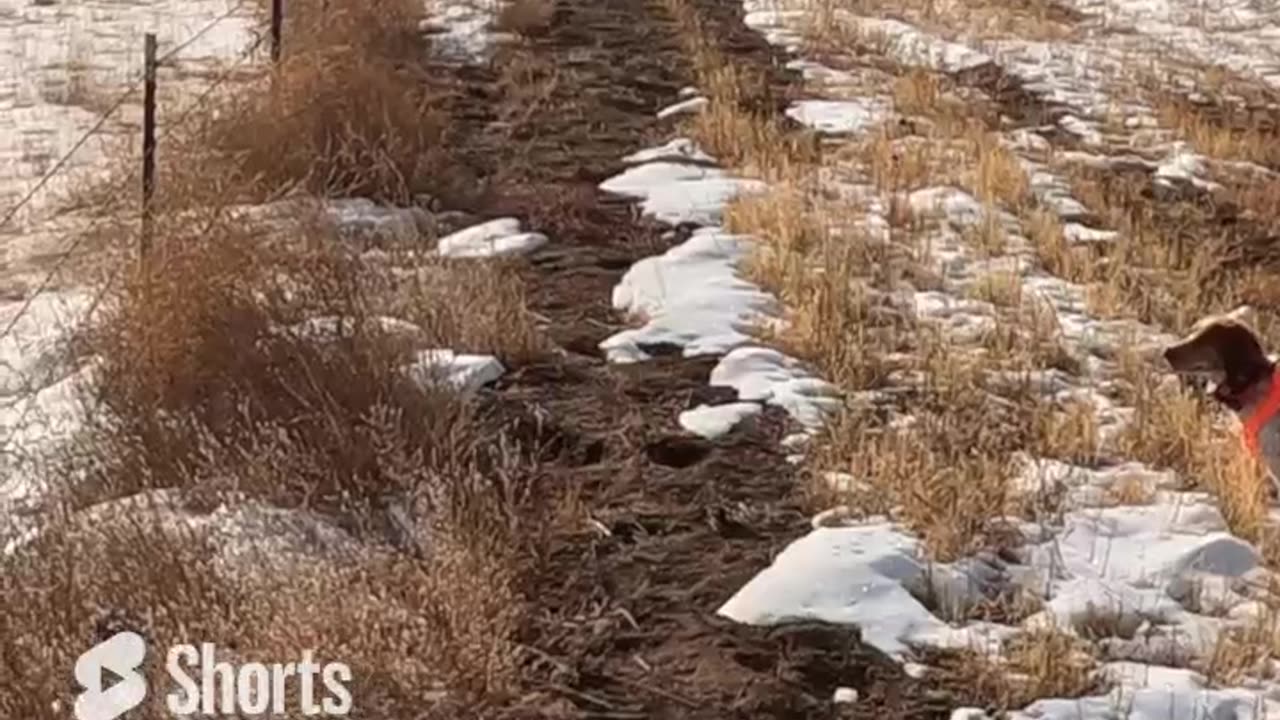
x=206, y=404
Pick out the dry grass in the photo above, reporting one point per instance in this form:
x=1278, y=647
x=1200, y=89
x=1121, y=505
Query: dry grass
x=1215, y=135
x=996, y=175
x=405, y=624
x=1173, y=264
x=1001, y=288
x=202, y=394
x=830, y=29
x=351, y=110
x=1032, y=665
x=198, y=395
x=944, y=470
x=739, y=126
x=945, y=475
x=1246, y=651
x=1068, y=432
x=1178, y=428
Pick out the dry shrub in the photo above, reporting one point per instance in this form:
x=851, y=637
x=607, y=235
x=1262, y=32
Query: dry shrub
x=195, y=348
x=204, y=395
x=352, y=109
x=201, y=394
x=406, y=623
x=475, y=306
x=191, y=348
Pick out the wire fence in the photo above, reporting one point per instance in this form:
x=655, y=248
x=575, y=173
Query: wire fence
x=97, y=128
x=121, y=185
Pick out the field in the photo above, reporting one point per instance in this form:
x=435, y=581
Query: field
x=643, y=358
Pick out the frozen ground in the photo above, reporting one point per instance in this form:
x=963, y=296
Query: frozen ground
x=1169, y=574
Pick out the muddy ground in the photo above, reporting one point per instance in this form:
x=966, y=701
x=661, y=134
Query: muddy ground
x=625, y=613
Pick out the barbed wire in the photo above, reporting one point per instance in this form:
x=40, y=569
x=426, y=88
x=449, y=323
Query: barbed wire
x=119, y=102
x=204, y=96
x=82, y=235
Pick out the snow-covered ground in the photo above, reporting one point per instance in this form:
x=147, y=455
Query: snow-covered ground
x=66, y=64
x=1169, y=573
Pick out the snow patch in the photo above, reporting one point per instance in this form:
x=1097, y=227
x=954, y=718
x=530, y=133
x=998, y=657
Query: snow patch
x=32, y=350
x=677, y=150
x=495, y=238
x=690, y=296
x=684, y=107
x=465, y=373
x=713, y=421
x=859, y=576
x=769, y=376
x=840, y=116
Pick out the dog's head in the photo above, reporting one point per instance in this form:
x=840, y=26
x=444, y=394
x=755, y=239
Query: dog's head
x=1225, y=349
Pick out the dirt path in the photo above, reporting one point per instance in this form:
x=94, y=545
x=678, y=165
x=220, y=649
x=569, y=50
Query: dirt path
x=626, y=611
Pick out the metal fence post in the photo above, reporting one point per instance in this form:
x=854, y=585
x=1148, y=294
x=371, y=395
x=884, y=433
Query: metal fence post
x=148, y=140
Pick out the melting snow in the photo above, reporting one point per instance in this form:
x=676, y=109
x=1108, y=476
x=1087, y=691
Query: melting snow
x=713, y=421
x=464, y=372
x=677, y=150
x=839, y=116
x=861, y=576
x=1152, y=569
x=495, y=238
x=684, y=107
x=690, y=296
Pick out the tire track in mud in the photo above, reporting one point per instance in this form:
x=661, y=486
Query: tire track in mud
x=626, y=624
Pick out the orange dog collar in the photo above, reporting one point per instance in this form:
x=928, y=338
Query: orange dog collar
x=1265, y=412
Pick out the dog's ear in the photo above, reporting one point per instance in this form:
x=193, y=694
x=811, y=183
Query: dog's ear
x=1221, y=344
x=1198, y=352
x=1243, y=361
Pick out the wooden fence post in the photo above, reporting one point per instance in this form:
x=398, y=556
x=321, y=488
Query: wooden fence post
x=277, y=26
x=148, y=140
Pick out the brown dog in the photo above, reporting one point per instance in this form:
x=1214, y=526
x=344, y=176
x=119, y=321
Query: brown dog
x=1225, y=348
